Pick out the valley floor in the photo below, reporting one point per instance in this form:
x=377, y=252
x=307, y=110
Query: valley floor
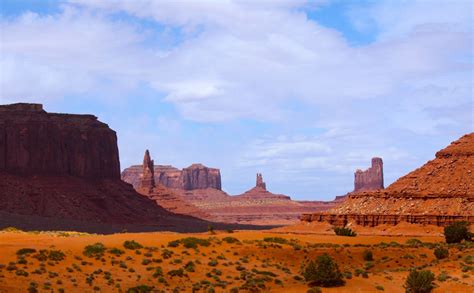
x=242, y=261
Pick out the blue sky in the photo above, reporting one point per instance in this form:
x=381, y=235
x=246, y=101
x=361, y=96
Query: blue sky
x=304, y=92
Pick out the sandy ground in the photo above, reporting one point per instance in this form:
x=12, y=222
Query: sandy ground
x=392, y=261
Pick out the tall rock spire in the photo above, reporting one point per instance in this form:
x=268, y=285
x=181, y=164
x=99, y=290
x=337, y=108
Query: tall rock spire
x=148, y=173
x=260, y=182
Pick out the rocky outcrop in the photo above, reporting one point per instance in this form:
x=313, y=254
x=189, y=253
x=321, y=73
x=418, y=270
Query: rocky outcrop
x=370, y=179
x=437, y=192
x=196, y=176
x=62, y=171
x=35, y=142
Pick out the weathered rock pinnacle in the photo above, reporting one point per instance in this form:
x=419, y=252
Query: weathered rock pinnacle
x=148, y=179
x=260, y=182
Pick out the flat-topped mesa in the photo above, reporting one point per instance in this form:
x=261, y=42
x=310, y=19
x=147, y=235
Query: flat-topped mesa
x=194, y=177
x=370, y=179
x=33, y=141
x=148, y=173
x=260, y=182
x=198, y=176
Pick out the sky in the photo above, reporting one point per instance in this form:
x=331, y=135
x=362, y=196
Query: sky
x=305, y=92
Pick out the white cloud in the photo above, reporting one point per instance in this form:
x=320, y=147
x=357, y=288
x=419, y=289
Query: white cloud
x=264, y=61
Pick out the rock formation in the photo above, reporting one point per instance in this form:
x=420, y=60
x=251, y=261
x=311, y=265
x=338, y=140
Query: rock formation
x=162, y=195
x=196, y=176
x=371, y=178
x=35, y=142
x=147, y=181
x=439, y=192
x=260, y=182
x=62, y=171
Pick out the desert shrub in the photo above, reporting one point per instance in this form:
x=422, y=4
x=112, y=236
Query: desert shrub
x=146, y=261
x=419, y=282
x=443, y=277
x=166, y=253
x=193, y=242
x=132, y=244
x=457, y=232
x=54, y=255
x=230, y=240
x=230, y=231
x=140, y=289
x=323, y=272
x=158, y=272
x=212, y=263
x=116, y=251
x=94, y=250
x=379, y=287
x=174, y=243
x=441, y=253
x=177, y=273
x=24, y=251
x=413, y=242
x=367, y=255
x=344, y=231
x=278, y=240
x=368, y=265
x=314, y=290
x=210, y=229
x=190, y=266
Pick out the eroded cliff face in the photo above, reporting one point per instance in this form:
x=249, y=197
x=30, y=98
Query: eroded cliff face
x=35, y=142
x=196, y=176
x=437, y=192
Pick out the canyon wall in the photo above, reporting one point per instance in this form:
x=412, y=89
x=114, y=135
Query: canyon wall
x=35, y=142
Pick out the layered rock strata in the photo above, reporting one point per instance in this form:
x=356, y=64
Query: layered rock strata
x=439, y=192
x=196, y=176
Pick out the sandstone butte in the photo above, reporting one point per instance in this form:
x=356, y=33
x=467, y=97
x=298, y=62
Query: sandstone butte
x=438, y=193
x=196, y=190
x=62, y=171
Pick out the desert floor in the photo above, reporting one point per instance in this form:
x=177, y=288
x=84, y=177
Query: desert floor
x=265, y=261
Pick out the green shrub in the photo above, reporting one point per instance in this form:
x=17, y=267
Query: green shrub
x=140, y=289
x=278, y=240
x=457, y=232
x=314, y=290
x=24, y=251
x=230, y=240
x=367, y=255
x=178, y=273
x=441, y=253
x=132, y=244
x=190, y=266
x=174, y=243
x=54, y=255
x=344, y=231
x=94, y=250
x=193, y=242
x=323, y=272
x=116, y=251
x=413, y=242
x=419, y=282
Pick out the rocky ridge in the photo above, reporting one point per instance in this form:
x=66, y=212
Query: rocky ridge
x=439, y=192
